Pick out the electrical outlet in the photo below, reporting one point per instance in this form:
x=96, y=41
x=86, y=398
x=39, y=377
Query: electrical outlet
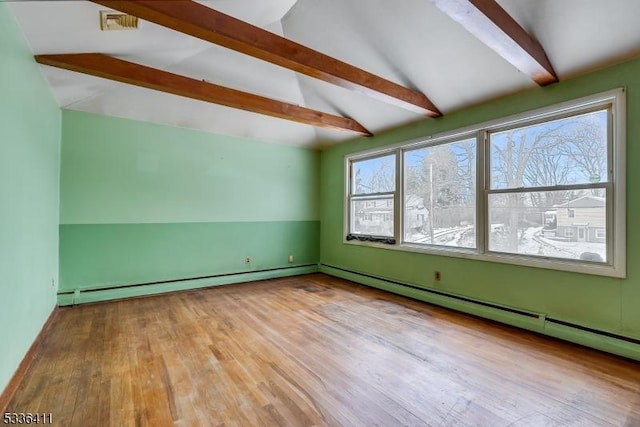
x=53, y=283
x=436, y=276
x=247, y=260
x=290, y=258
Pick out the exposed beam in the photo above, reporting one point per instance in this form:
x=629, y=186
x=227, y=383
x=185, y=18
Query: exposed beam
x=208, y=24
x=99, y=65
x=490, y=23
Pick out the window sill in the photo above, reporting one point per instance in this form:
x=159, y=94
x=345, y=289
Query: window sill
x=607, y=270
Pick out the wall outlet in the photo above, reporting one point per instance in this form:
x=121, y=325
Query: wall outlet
x=247, y=260
x=436, y=276
x=290, y=258
x=53, y=283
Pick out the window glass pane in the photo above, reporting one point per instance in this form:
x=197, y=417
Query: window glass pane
x=376, y=175
x=372, y=217
x=440, y=195
x=557, y=224
x=559, y=152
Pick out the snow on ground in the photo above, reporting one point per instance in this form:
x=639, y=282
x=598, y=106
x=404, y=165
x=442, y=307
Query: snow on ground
x=578, y=248
x=462, y=236
x=530, y=243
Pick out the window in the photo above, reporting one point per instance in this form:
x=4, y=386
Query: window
x=543, y=189
x=440, y=194
x=372, y=198
x=551, y=164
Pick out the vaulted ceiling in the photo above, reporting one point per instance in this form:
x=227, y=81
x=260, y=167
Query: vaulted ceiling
x=444, y=51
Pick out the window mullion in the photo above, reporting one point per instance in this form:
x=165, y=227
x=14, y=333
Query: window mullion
x=547, y=188
x=482, y=183
x=372, y=195
x=398, y=206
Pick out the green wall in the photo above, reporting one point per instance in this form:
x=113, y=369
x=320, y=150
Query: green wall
x=29, y=190
x=592, y=301
x=143, y=203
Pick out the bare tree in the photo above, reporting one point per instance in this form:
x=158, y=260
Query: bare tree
x=587, y=148
x=514, y=157
x=380, y=180
x=563, y=152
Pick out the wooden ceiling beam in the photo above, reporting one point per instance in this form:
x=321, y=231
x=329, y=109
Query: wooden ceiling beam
x=490, y=23
x=208, y=24
x=104, y=66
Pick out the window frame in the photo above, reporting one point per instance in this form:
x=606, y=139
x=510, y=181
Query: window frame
x=445, y=139
x=607, y=185
x=615, y=235
x=351, y=197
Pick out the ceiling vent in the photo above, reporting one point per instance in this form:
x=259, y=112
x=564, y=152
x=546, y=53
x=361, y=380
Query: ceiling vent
x=114, y=21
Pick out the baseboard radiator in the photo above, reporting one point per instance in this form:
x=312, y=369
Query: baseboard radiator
x=89, y=294
x=621, y=345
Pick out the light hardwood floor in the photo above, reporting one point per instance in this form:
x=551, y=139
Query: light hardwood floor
x=314, y=350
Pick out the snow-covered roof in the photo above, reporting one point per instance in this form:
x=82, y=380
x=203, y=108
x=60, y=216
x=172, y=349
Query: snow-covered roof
x=411, y=200
x=584, y=202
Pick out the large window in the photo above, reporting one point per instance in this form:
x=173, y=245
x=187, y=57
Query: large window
x=557, y=168
x=542, y=189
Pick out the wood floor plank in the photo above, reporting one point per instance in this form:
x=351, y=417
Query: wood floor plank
x=314, y=351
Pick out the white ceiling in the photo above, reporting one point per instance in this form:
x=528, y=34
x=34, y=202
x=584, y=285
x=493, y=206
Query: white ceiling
x=410, y=42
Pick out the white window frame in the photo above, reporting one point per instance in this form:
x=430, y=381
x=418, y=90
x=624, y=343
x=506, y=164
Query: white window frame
x=616, y=187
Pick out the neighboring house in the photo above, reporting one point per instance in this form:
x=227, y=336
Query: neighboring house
x=582, y=219
x=416, y=215
x=376, y=216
